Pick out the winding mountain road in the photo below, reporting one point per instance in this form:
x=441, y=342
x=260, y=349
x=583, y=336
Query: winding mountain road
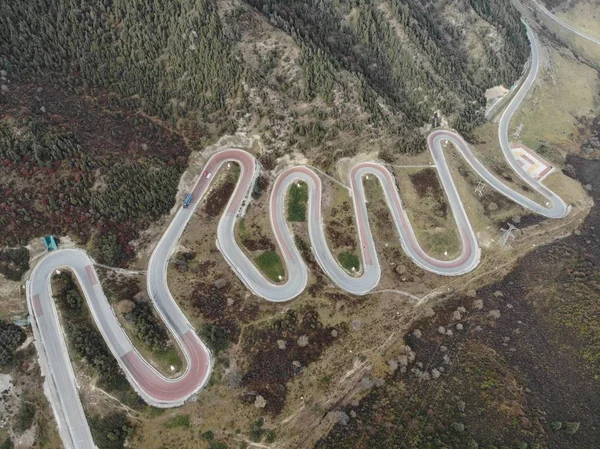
x=564, y=24
x=159, y=391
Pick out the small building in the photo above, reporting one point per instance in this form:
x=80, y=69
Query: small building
x=49, y=243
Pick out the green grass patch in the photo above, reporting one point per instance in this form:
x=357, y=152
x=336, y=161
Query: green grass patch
x=297, y=200
x=438, y=243
x=270, y=264
x=349, y=261
x=178, y=421
x=170, y=357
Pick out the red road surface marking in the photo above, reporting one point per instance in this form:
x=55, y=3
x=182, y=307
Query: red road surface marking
x=91, y=275
x=528, y=159
x=544, y=172
x=169, y=390
x=37, y=306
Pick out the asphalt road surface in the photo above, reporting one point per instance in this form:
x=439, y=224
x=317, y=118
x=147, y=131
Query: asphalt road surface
x=163, y=392
x=565, y=24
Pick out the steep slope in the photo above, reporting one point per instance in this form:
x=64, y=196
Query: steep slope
x=417, y=56
x=328, y=78
x=175, y=60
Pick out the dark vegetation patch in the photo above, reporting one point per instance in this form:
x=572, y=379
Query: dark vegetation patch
x=120, y=287
x=14, y=262
x=147, y=327
x=86, y=342
x=527, y=220
x=90, y=168
x=111, y=431
x=486, y=411
x=260, y=186
x=523, y=371
x=11, y=337
x=297, y=200
x=343, y=301
x=339, y=235
x=224, y=312
x=426, y=183
x=317, y=287
x=24, y=418
x=218, y=198
x=182, y=260
x=158, y=87
x=428, y=187
x=280, y=350
x=589, y=134
x=137, y=310
x=254, y=239
x=341, y=229
x=553, y=3
x=460, y=391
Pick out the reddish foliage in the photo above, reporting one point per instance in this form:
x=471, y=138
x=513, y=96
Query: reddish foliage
x=270, y=367
x=39, y=200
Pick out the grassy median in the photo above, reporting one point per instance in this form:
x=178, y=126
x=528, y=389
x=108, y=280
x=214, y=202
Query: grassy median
x=349, y=261
x=297, y=200
x=270, y=264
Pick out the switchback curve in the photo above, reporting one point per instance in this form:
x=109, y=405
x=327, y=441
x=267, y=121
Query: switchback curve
x=159, y=391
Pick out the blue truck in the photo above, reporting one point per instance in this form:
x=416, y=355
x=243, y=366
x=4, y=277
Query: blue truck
x=187, y=200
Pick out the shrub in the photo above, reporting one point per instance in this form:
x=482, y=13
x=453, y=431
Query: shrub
x=472, y=444
x=107, y=249
x=571, y=427
x=25, y=416
x=208, y=435
x=556, y=425
x=215, y=336
x=256, y=431
x=14, y=262
x=261, y=184
x=271, y=436
x=111, y=431
x=11, y=337
x=147, y=327
x=458, y=427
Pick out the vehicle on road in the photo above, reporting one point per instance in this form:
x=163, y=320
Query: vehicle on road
x=187, y=200
x=207, y=174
